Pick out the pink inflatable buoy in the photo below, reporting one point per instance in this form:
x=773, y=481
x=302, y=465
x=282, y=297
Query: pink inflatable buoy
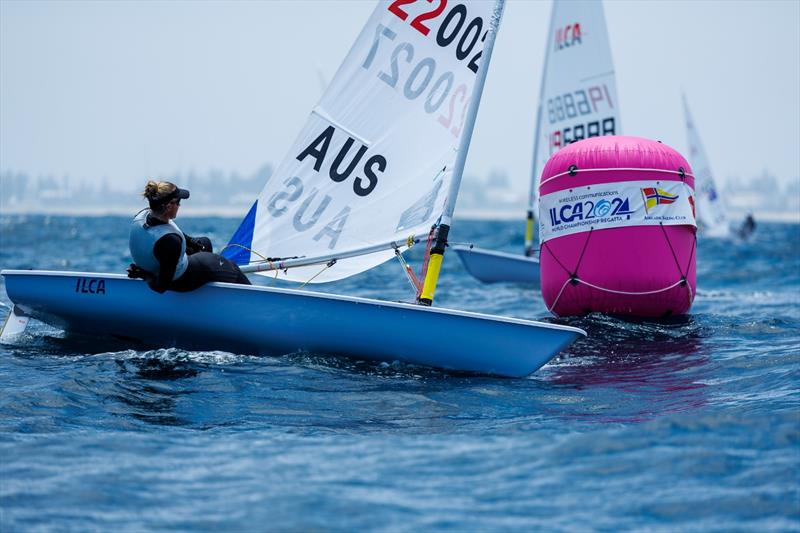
x=617, y=229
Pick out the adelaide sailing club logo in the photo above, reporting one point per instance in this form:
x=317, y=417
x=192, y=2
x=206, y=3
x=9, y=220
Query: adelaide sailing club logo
x=568, y=36
x=653, y=196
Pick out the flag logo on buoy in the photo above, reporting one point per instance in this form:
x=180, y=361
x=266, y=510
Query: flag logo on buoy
x=654, y=196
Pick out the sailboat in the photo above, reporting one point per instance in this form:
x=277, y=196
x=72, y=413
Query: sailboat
x=711, y=213
x=378, y=162
x=577, y=100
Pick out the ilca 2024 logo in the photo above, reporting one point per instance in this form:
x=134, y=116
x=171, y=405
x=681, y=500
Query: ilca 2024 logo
x=589, y=211
x=568, y=36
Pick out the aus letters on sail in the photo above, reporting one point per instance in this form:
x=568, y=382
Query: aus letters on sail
x=375, y=157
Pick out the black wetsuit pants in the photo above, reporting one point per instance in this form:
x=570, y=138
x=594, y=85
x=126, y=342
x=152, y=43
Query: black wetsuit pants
x=205, y=267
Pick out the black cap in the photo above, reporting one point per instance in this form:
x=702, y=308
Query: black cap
x=178, y=193
x=183, y=194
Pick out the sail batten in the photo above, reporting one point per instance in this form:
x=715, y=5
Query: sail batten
x=367, y=165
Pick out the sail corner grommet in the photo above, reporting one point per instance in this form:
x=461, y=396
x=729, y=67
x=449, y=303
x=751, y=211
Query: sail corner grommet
x=573, y=169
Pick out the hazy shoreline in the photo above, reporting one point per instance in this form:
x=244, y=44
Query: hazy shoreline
x=239, y=212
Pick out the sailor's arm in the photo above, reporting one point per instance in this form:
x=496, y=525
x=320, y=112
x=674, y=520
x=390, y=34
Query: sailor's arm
x=168, y=251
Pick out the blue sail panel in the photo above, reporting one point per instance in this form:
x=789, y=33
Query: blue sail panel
x=238, y=249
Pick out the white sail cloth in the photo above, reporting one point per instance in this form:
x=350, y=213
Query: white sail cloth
x=373, y=161
x=711, y=217
x=578, y=97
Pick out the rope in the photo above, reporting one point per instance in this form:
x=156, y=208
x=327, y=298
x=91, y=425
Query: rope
x=631, y=293
x=232, y=244
x=412, y=278
x=671, y=249
x=326, y=267
x=269, y=260
x=544, y=247
x=585, y=244
x=577, y=170
x=573, y=276
x=683, y=273
x=613, y=291
x=555, y=302
x=691, y=255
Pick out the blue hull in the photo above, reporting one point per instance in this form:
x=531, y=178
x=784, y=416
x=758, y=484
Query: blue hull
x=272, y=321
x=490, y=266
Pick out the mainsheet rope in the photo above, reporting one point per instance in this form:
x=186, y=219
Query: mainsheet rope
x=270, y=261
x=263, y=259
x=326, y=267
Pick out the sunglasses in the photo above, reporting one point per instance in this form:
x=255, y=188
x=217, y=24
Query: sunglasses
x=176, y=202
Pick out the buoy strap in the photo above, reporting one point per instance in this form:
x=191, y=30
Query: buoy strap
x=573, y=171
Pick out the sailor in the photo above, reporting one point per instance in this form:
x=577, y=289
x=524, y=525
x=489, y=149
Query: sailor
x=166, y=257
x=748, y=227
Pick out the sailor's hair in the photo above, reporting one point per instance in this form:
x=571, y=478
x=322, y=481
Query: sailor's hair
x=156, y=191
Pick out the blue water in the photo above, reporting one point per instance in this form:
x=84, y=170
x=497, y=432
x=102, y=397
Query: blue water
x=691, y=424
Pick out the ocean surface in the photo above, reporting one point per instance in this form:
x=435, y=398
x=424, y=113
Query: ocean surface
x=689, y=424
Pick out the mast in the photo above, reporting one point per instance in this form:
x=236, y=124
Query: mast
x=438, y=248
x=531, y=218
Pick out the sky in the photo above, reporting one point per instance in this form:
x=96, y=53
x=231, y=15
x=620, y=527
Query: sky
x=123, y=91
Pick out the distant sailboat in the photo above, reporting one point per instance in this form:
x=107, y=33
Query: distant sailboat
x=577, y=100
x=379, y=159
x=712, y=220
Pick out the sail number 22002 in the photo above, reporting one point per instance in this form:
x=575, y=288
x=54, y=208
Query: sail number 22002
x=454, y=28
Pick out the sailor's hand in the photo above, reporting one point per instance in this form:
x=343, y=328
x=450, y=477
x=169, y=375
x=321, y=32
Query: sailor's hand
x=199, y=244
x=136, y=272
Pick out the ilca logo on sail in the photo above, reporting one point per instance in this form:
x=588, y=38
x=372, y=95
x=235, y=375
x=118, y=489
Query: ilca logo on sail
x=568, y=36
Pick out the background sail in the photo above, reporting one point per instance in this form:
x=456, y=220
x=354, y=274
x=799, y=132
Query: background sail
x=711, y=216
x=373, y=161
x=578, y=96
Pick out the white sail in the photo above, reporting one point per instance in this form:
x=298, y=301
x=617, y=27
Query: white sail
x=711, y=217
x=578, y=95
x=374, y=161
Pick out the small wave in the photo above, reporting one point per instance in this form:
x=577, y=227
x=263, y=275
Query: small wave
x=346, y=365
x=213, y=357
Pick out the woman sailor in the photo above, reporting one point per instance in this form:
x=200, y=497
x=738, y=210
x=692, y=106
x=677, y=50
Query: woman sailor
x=166, y=257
